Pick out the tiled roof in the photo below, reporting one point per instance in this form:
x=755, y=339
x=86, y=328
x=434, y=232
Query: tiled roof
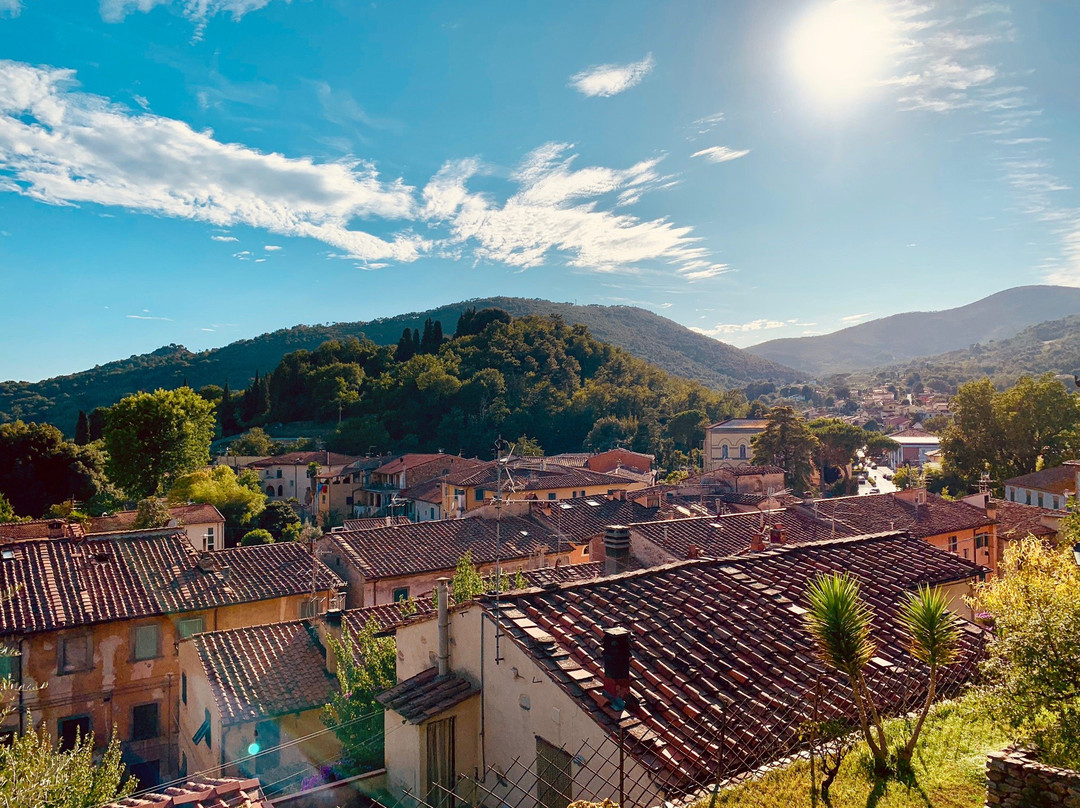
x=746, y=470
x=563, y=574
x=875, y=513
x=202, y=792
x=386, y=615
x=1056, y=480
x=407, y=461
x=373, y=522
x=40, y=529
x=710, y=634
x=740, y=423
x=784, y=500
x=390, y=552
x=533, y=476
x=264, y=671
x=426, y=695
x=912, y=433
x=303, y=459
x=732, y=533
x=63, y=583
x=571, y=459
x=430, y=491
x=1015, y=520
x=194, y=514
x=585, y=517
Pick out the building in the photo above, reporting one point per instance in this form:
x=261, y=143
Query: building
x=203, y=524
x=285, y=477
x=97, y=621
x=728, y=442
x=341, y=492
x=1049, y=488
x=1016, y=521
x=540, y=691
x=383, y=494
x=423, y=502
x=584, y=520
x=389, y=564
x=962, y=528
x=527, y=478
x=913, y=447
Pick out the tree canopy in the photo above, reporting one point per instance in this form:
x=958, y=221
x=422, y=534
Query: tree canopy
x=787, y=442
x=39, y=469
x=154, y=438
x=240, y=499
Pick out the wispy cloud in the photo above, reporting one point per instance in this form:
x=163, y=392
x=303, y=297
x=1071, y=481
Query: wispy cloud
x=10, y=8
x=271, y=248
x=740, y=328
x=608, y=80
x=195, y=10
x=224, y=238
x=721, y=154
x=854, y=318
x=148, y=317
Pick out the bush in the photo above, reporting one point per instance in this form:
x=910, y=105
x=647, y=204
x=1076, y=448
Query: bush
x=257, y=536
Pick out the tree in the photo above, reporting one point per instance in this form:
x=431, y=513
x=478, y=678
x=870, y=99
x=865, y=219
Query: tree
x=280, y=520
x=151, y=512
x=35, y=774
x=528, y=447
x=7, y=513
x=786, y=442
x=610, y=431
x=38, y=468
x=1034, y=651
x=153, y=438
x=366, y=666
x=240, y=499
x=406, y=348
x=838, y=443
x=253, y=443
x=687, y=428
x=255, y=537
x=82, y=429
x=357, y=436
x=96, y=420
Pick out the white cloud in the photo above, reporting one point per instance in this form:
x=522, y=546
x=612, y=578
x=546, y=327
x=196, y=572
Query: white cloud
x=10, y=8
x=271, y=248
x=721, y=154
x=195, y=10
x=224, y=238
x=854, y=318
x=147, y=317
x=740, y=328
x=141, y=100
x=62, y=146
x=608, y=80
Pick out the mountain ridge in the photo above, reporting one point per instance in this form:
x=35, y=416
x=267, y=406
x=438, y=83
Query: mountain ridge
x=902, y=337
x=644, y=334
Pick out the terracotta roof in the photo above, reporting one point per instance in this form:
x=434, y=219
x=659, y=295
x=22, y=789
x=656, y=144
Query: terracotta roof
x=533, y=476
x=709, y=634
x=386, y=615
x=426, y=695
x=875, y=513
x=430, y=491
x=585, y=517
x=1015, y=520
x=194, y=514
x=741, y=423
x=390, y=552
x=732, y=533
x=63, y=583
x=40, y=529
x=375, y=521
x=303, y=459
x=571, y=459
x=407, y=461
x=202, y=792
x=563, y=574
x=747, y=470
x=264, y=671
x=1057, y=480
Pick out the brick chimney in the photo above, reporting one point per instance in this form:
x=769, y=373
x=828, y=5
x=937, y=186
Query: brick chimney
x=777, y=534
x=693, y=552
x=757, y=542
x=616, y=654
x=616, y=549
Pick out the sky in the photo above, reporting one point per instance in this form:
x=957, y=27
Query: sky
x=203, y=171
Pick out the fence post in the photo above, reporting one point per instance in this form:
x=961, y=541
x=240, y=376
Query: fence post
x=719, y=755
x=622, y=768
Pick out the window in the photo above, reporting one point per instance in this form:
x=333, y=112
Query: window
x=145, y=642
x=280, y=491
x=268, y=735
x=72, y=728
x=441, y=768
x=1012, y=494
x=144, y=721
x=183, y=687
x=1028, y=493
x=74, y=654
x=981, y=540
x=348, y=501
x=203, y=732
x=1040, y=499
x=952, y=544
x=401, y=593
x=554, y=780
x=742, y=452
x=269, y=490
x=309, y=608
x=9, y=668
x=479, y=494
x=965, y=552
x=585, y=549
x=148, y=773
x=209, y=538
x=723, y=452
x=1055, y=503
x=190, y=625
x=279, y=474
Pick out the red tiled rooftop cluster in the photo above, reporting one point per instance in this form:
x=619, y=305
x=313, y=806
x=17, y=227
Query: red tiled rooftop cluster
x=875, y=513
x=202, y=792
x=584, y=517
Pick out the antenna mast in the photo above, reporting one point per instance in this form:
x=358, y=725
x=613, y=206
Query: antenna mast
x=498, y=503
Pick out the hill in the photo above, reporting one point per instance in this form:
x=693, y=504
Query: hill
x=657, y=340
x=902, y=337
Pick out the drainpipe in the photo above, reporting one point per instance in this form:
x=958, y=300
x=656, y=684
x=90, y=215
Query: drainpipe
x=444, y=626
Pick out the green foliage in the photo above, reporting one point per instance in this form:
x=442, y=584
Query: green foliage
x=82, y=429
x=366, y=666
x=38, y=468
x=153, y=438
x=7, y=513
x=467, y=582
x=280, y=520
x=787, y=442
x=240, y=499
x=838, y=443
x=35, y=774
x=359, y=436
x=253, y=443
x=527, y=447
x=256, y=536
x=687, y=429
x=906, y=477
x=151, y=512
x=1034, y=651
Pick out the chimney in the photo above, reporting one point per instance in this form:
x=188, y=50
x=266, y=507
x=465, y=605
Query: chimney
x=443, y=596
x=693, y=552
x=757, y=542
x=329, y=625
x=616, y=549
x=616, y=652
x=205, y=562
x=777, y=534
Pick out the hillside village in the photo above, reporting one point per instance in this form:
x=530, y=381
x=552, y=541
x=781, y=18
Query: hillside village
x=310, y=627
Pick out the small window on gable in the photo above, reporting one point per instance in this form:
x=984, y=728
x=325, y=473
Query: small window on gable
x=551, y=495
x=1028, y=497
x=1040, y=499
x=190, y=625
x=952, y=544
x=401, y=593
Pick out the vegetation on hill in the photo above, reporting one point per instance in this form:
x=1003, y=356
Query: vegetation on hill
x=902, y=337
x=656, y=339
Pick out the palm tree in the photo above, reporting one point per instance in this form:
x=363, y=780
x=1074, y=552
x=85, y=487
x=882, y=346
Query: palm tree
x=933, y=639
x=839, y=622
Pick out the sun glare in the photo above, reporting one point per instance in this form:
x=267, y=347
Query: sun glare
x=842, y=48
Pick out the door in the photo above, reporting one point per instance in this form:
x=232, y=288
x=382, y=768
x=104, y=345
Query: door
x=554, y=782
x=441, y=774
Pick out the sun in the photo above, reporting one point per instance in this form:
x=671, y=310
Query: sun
x=842, y=48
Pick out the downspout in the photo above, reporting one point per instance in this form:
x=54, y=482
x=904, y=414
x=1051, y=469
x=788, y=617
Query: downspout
x=444, y=627
x=22, y=690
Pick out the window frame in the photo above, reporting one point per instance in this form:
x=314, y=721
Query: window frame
x=400, y=594
x=72, y=718
x=135, y=736
x=135, y=642
x=180, y=635
x=62, y=668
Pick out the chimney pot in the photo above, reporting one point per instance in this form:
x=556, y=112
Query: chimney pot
x=693, y=552
x=616, y=549
x=757, y=542
x=616, y=655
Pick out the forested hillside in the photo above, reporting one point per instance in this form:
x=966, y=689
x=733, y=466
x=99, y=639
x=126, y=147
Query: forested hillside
x=655, y=339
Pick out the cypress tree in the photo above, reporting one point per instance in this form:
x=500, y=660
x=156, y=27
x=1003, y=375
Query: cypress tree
x=405, y=348
x=82, y=429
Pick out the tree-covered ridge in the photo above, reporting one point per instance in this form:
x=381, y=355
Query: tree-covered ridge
x=648, y=336
x=531, y=376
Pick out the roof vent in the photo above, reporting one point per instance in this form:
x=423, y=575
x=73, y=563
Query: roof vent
x=205, y=562
x=101, y=556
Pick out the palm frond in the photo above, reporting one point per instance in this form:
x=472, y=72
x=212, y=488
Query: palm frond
x=839, y=622
x=933, y=631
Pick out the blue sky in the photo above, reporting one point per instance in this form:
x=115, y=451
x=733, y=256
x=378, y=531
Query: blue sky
x=199, y=172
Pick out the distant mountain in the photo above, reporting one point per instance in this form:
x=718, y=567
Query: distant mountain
x=1052, y=346
x=656, y=339
x=902, y=337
